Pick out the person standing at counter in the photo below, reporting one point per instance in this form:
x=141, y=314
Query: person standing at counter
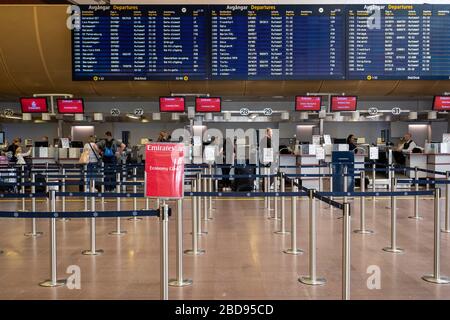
x=111, y=149
x=406, y=148
x=351, y=141
x=94, y=155
x=11, y=150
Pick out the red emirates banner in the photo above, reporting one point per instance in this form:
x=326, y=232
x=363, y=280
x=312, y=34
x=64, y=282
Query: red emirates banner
x=164, y=170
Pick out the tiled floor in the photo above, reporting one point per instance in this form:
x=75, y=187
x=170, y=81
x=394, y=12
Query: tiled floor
x=243, y=259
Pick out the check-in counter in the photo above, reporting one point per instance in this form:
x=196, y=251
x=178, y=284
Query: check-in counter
x=418, y=160
x=288, y=160
x=309, y=160
x=438, y=162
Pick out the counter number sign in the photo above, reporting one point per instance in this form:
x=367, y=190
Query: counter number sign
x=115, y=112
x=138, y=112
x=373, y=111
x=396, y=111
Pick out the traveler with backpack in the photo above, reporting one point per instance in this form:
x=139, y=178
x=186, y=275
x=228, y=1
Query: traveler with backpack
x=111, y=150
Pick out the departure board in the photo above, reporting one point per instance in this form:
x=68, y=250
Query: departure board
x=277, y=42
x=262, y=42
x=129, y=42
x=395, y=42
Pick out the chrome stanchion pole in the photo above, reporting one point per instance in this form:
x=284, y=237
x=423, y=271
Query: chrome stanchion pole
x=446, y=228
x=346, y=258
x=63, y=189
x=118, y=231
x=312, y=278
x=374, y=178
x=427, y=187
x=195, y=250
x=164, y=244
x=180, y=281
x=135, y=218
x=93, y=251
x=293, y=249
x=283, y=207
x=200, y=232
x=436, y=277
x=275, y=198
x=102, y=188
x=53, y=282
x=345, y=181
x=86, y=187
x=393, y=248
x=22, y=188
x=416, y=197
x=33, y=232
x=362, y=208
x=210, y=189
x=205, y=199
x=266, y=189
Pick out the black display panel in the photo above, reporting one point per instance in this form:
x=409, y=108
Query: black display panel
x=277, y=42
x=262, y=42
x=130, y=42
x=398, y=42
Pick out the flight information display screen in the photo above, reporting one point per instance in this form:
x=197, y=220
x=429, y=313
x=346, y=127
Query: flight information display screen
x=395, y=42
x=262, y=42
x=277, y=42
x=130, y=42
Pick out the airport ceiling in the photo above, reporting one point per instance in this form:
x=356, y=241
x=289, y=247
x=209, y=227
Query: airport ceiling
x=35, y=57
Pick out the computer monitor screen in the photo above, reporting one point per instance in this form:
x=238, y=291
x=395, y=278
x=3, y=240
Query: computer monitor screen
x=70, y=106
x=2, y=137
x=39, y=144
x=33, y=105
x=441, y=103
x=207, y=104
x=308, y=103
x=171, y=104
x=343, y=103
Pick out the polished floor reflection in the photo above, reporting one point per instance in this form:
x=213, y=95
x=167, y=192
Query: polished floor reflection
x=243, y=260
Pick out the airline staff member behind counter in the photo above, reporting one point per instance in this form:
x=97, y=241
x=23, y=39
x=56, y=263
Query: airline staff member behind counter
x=407, y=147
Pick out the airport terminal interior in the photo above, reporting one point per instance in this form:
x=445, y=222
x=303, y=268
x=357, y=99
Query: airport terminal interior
x=224, y=151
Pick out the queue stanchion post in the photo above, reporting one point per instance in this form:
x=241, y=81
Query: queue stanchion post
x=210, y=189
x=86, y=188
x=22, y=187
x=346, y=256
x=93, y=251
x=393, y=248
x=180, y=281
x=265, y=182
x=195, y=250
x=135, y=218
x=102, y=188
x=34, y=232
x=200, y=208
x=283, y=207
x=293, y=249
x=205, y=199
x=416, y=197
x=63, y=189
x=118, y=231
x=345, y=181
x=427, y=187
x=436, y=277
x=53, y=281
x=164, y=245
x=362, y=208
x=312, y=279
x=446, y=228
x=374, y=178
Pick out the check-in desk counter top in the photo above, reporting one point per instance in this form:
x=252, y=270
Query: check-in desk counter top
x=309, y=160
x=418, y=160
x=69, y=160
x=359, y=159
x=438, y=162
x=43, y=160
x=288, y=160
